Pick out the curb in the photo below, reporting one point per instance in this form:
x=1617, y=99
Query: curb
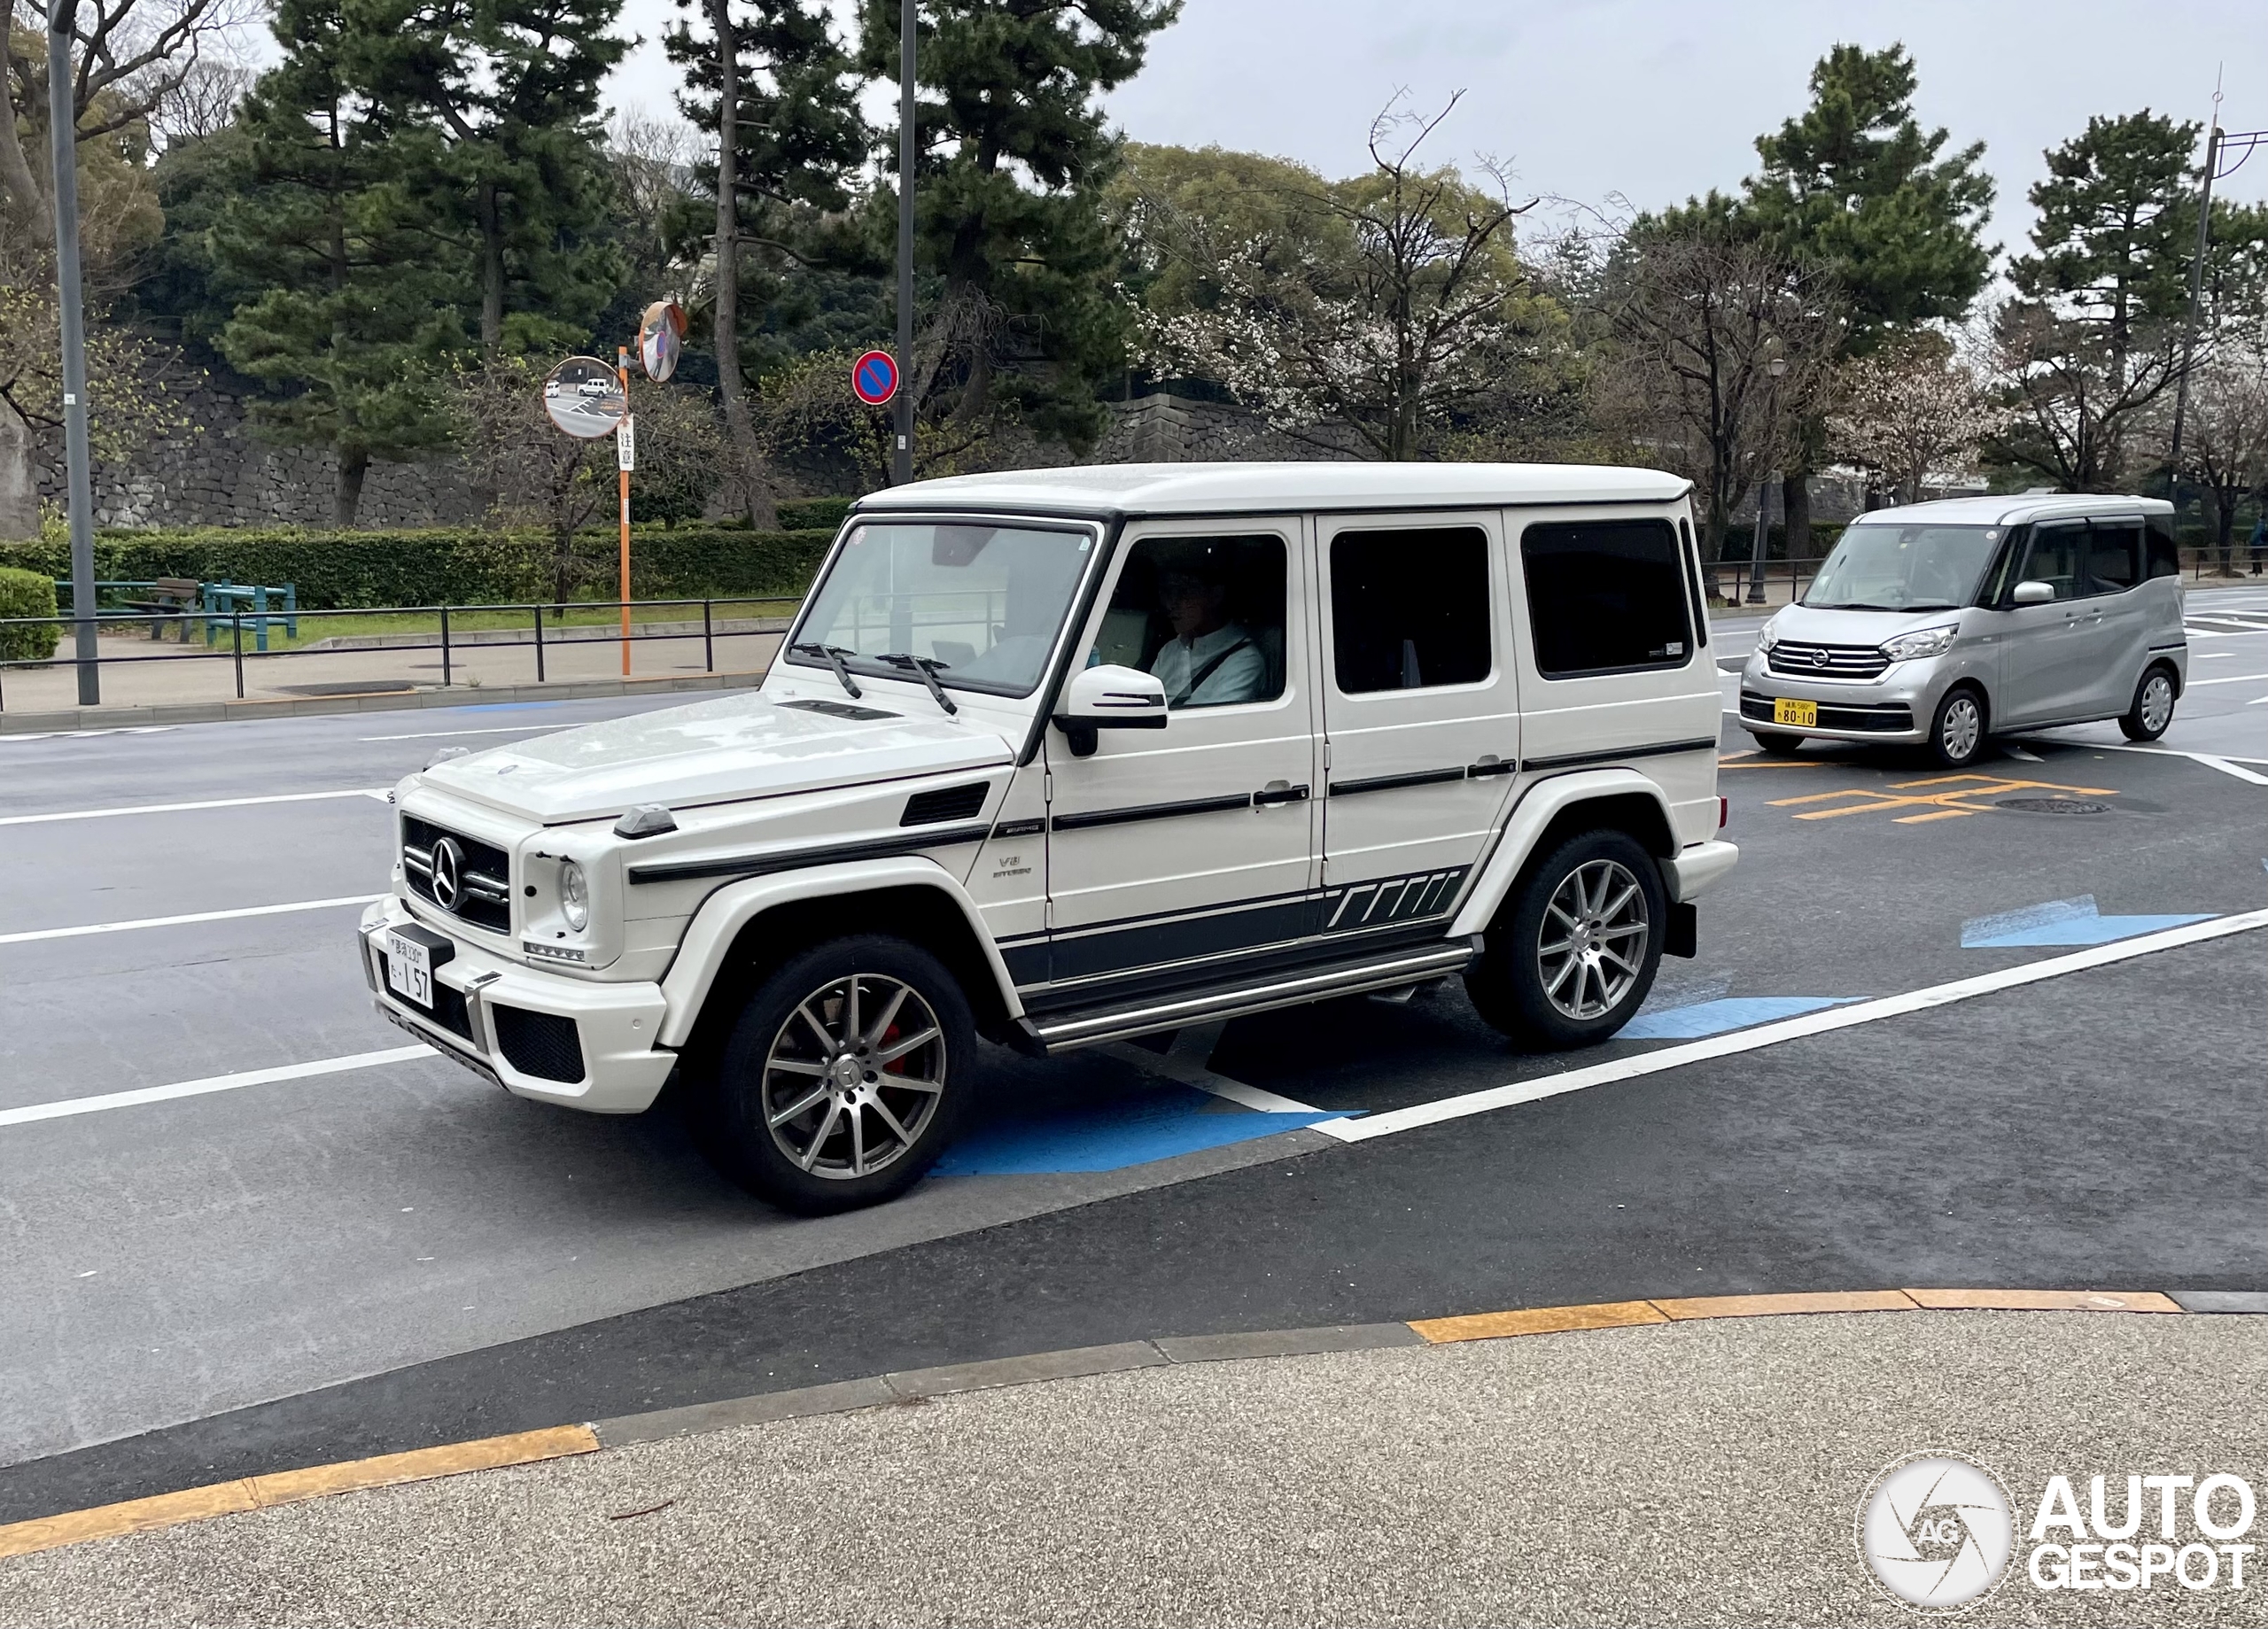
x=263, y=1491
x=372, y=702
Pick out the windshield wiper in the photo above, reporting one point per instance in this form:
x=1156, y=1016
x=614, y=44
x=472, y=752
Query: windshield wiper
x=1854, y=605
x=833, y=655
x=922, y=666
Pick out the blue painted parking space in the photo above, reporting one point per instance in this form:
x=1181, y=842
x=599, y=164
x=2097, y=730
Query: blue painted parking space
x=1133, y=1130
x=1710, y=1018
x=2063, y=922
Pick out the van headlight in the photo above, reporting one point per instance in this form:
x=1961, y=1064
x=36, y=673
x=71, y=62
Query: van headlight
x=574, y=895
x=1767, y=637
x=1920, y=643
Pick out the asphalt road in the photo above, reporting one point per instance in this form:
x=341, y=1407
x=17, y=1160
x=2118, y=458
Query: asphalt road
x=341, y=1263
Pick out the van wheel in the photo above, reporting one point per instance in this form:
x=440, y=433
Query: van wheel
x=1572, y=953
x=1776, y=743
x=1957, y=729
x=2153, y=708
x=842, y=1081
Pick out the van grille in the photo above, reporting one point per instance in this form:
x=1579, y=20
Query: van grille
x=1800, y=659
x=483, y=895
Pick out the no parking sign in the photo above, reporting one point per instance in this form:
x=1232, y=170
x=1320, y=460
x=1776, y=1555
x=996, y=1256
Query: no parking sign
x=873, y=377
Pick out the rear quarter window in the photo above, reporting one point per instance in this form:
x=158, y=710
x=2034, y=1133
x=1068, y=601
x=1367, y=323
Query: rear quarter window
x=1605, y=596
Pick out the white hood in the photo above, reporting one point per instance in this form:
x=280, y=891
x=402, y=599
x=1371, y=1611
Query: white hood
x=718, y=751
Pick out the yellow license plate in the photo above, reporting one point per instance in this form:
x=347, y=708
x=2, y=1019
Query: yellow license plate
x=1804, y=715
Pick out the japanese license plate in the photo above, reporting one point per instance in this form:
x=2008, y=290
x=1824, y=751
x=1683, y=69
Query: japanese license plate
x=1804, y=715
x=409, y=969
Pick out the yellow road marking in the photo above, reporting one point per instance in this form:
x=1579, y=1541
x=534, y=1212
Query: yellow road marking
x=1962, y=796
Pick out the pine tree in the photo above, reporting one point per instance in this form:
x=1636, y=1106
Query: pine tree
x=348, y=322
x=776, y=87
x=1015, y=154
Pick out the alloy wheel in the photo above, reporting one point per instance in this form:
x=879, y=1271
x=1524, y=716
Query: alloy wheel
x=1592, y=945
x=854, y=1076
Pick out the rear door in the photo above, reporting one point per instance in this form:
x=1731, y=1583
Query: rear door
x=2115, y=619
x=1169, y=849
x=2043, y=661
x=1420, y=710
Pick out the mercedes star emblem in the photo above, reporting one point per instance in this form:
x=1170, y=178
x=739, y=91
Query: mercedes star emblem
x=448, y=873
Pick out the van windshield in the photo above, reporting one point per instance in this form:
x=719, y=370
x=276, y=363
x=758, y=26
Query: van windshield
x=1877, y=567
x=979, y=605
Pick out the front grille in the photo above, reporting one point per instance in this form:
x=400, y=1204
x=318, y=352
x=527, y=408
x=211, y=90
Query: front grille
x=947, y=803
x=1880, y=717
x=448, y=1005
x=1799, y=658
x=484, y=874
x=542, y=1044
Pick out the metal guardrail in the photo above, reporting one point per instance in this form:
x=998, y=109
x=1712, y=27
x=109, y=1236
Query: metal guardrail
x=238, y=654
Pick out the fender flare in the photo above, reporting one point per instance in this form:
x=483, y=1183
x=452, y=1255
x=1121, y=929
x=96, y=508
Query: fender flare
x=1538, y=806
x=717, y=925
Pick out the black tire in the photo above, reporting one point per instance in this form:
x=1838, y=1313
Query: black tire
x=2153, y=709
x=774, y=1046
x=1511, y=986
x=1959, y=730
x=1777, y=742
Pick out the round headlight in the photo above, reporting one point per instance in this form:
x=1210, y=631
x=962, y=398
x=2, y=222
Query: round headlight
x=574, y=896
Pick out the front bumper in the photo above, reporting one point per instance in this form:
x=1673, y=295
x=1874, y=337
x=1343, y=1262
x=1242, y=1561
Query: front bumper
x=1896, y=707
x=510, y=1023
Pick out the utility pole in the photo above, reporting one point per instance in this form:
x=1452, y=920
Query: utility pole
x=901, y=464
x=63, y=143
x=2196, y=296
x=1773, y=370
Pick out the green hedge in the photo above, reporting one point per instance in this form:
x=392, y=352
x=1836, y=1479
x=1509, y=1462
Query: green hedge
x=26, y=593
x=337, y=570
x=814, y=514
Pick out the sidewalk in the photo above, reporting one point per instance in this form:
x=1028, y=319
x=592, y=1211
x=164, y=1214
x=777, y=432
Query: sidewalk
x=1689, y=1472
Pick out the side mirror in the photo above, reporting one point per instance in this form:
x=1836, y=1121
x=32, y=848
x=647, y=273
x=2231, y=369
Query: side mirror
x=2032, y=593
x=1109, y=698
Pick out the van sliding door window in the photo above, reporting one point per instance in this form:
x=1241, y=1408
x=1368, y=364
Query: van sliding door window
x=2114, y=551
x=1409, y=609
x=1605, y=596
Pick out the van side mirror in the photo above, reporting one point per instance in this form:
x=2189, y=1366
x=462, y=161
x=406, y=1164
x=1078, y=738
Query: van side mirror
x=2032, y=593
x=1109, y=698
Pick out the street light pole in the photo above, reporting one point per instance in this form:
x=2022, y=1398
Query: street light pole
x=63, y=145
x=1773, y=370
x=901, y=464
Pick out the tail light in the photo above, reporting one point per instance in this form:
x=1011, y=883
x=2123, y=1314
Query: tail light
x=1724, y=812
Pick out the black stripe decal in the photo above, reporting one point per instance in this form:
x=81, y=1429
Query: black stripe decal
x=1707, y=743
x=1149, y=944
x=1151, y=812
x=799, y=859
x=1388, y=783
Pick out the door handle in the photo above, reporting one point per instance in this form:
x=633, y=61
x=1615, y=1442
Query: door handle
x=1492, y=766
x=1279, y=792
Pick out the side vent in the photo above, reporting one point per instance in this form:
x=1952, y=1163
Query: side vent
x=949, y=804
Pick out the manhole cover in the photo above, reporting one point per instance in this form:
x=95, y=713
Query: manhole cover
x=363, y=687
x=2051, y=806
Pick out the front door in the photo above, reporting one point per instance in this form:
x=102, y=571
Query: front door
x=1420, y=711
x=1193, y=844
x=2044, y=673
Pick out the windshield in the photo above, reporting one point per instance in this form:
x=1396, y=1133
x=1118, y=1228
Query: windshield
x=1893, y=568
x=979, y=605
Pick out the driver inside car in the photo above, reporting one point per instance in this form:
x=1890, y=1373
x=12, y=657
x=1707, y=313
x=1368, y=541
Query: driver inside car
x=1211, y=661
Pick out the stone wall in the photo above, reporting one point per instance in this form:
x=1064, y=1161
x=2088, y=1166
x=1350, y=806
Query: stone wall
x=221, y=472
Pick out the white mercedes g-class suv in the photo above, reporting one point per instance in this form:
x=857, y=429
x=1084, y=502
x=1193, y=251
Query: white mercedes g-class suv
x=1068, y=756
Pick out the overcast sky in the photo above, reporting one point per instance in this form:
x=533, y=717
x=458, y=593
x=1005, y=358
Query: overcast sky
x=1649, y=98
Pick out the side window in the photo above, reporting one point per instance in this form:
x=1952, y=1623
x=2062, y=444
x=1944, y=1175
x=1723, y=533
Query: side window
x=1409, y=609
x=1605, y=596
x=1206, y=615
x=2162, y=559
x=2054, y=558
x=1690, y=562
x=2115, y=555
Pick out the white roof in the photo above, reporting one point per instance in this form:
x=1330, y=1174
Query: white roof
x=2012, y=508
x=1211, y=488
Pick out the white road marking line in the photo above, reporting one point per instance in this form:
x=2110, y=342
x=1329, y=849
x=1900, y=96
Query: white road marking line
x=217, y=802
x=1788, y=1030
x=501, y=729
x=1185, y=1062
x=2233, y=679
x=2025, y=753
x=217, y=1082
x=2210, y=760
x=122, y=729
x=198, y=916
x=2228, y=768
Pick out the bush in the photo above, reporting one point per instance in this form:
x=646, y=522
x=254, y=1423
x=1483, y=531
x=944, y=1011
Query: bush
x=441, y=566
x=815, y=513
x=26, y=593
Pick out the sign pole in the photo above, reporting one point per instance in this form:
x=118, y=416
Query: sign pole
x=902, y=463
x=63, y=130
x=623, y=436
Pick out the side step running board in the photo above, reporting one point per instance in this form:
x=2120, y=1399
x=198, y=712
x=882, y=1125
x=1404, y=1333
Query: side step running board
x=1064, y=1033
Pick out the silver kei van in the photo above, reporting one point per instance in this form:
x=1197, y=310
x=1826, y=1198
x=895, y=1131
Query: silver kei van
x=1945, y=623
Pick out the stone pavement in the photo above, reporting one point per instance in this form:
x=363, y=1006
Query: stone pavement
x=1694, y=1473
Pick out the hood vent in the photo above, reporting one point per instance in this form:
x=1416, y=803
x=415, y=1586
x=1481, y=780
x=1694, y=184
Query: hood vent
x=947, y=803
x=840, y=709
